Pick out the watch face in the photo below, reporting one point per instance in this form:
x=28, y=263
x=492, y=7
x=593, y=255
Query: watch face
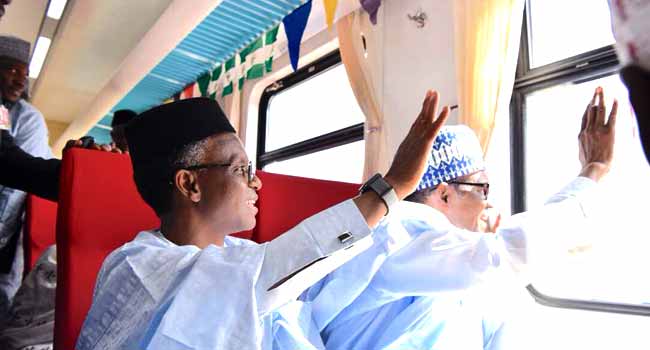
x=369, y=184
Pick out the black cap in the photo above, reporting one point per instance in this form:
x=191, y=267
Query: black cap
x=155, y=135
x=122, y=116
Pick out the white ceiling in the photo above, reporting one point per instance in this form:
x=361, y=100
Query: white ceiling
x=91, y=42
x=23, y=19
x=90, y=45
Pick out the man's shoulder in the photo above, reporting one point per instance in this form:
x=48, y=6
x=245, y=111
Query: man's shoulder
x=27, y=115
x=147, y=252
x=27, y=109
x=144, y=240
x=406, y=211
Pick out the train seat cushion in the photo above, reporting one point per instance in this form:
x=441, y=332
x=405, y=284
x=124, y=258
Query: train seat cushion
x=99, y=210
x=284, y=201
x=40, y=228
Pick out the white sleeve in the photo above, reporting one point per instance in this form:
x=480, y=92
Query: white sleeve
x=302, y=256
x=450, y=258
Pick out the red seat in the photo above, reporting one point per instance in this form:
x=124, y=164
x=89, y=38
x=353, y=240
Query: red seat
x=284, y=201
x=40, y=228
x=100, y=209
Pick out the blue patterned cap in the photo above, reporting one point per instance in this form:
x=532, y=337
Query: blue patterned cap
x=16, y=48
x=456, y=152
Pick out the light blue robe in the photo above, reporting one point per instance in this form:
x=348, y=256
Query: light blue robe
x=30, y=133
x=407, y=291
x=152, y=294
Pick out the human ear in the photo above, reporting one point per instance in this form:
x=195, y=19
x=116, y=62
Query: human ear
x=186, y=182
x=443, y=192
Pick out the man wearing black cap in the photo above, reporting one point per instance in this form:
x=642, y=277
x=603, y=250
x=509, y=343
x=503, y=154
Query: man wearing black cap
x=188, y=285
x=27, y=127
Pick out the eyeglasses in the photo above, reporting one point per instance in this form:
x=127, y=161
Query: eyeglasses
x=484, y=185
x=247, y=170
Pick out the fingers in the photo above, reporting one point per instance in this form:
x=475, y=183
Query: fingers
x=72, y=143
x=426, y=102
x=611, y=121
x=433, y=107
x=438, y=123
x=600, y=111
x=591, y=111
x=426, y=106
x=585, y=116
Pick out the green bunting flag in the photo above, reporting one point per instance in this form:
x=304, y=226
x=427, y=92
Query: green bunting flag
x=204, y=82
x=252, y=62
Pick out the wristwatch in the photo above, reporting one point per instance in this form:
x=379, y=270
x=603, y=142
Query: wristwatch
x=382, y=188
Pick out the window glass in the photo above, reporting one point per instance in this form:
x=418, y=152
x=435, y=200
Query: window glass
x=561, y=29
x=611, y=257
x=540, y=327
x=342, y=163
x=317, y=106
x=497, y=164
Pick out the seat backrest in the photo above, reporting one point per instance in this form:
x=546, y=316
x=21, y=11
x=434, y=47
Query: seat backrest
x=284, y=201
x=99, y=210
x=40, y=228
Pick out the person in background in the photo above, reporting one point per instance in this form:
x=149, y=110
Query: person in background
x=40, y=176
x=631, y=29
x=27, y=127
x=30, y=321
x=3, y=10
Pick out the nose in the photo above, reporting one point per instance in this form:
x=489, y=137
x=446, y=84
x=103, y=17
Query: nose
x=19, y=81
x=256, y=184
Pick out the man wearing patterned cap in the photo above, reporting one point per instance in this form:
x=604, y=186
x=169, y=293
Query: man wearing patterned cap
x=429, y=272
x=456, y=173
x=27, y=127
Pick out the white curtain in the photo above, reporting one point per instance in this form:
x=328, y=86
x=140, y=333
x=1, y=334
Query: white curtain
x=361, y=52
x=487, y=35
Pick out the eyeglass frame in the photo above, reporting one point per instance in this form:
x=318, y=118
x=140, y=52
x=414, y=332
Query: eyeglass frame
x=250, y=171
x=484, y=185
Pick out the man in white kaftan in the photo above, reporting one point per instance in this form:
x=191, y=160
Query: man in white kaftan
x=189, y=285
x=27, y=126
x=420, y=277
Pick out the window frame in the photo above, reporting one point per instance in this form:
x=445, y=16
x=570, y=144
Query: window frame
x=586, y=66
x=319, y=143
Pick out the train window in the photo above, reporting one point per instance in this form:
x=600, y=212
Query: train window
x=319, y=165
x=560, y=29
x=311, y=125
x=547, y=106
x=553, y=117
x=317, y=106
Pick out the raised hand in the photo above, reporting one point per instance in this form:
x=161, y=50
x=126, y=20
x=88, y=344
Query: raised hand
x=596, y=137
x=414, y=151
x=409, y=162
